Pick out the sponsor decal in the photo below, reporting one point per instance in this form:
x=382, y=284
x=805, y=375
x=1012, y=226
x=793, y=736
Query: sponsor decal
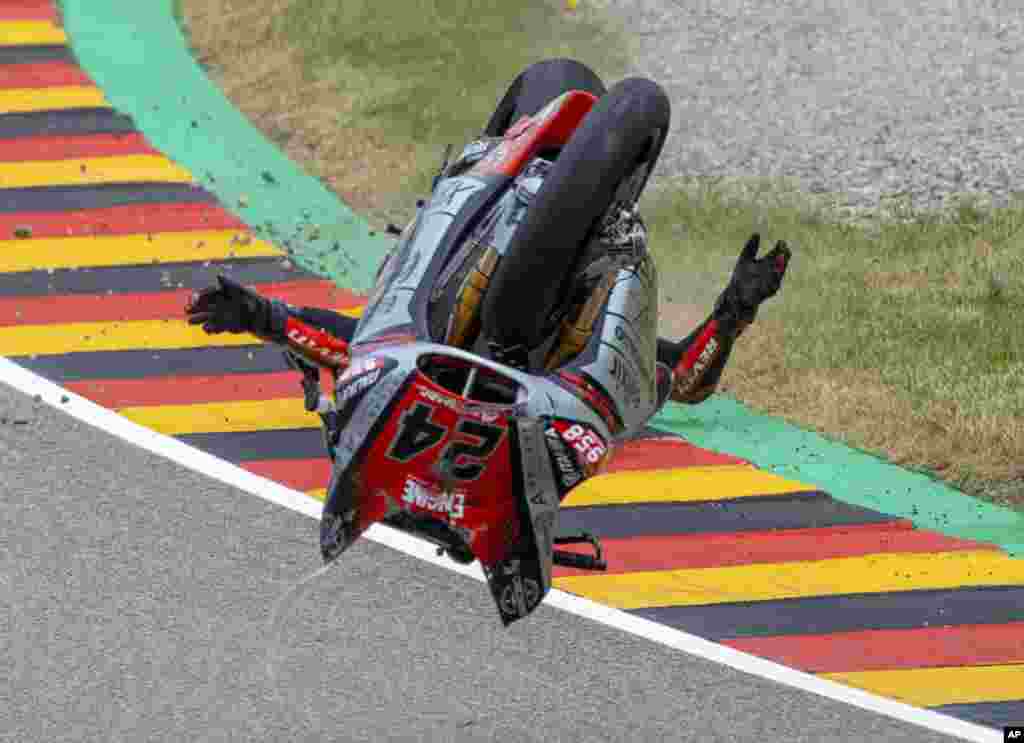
x=569, y=473
x=476, y=412
x=360, y=376
x=361, y=366
x=357, y=387
x=437, y=398
x=706, y=356
x=307, y=340
x=586, y=441
x=420, y=495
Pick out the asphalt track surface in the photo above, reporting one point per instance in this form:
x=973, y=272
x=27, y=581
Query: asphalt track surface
x=137, y=596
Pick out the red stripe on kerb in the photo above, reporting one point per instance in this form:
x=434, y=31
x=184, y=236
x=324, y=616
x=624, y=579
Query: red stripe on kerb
x=120, y=220
x=41, y=74
x=28, y=10
x=666, y=453
x=73, y=146
x=876, y=650
x=300, y=474
x=189, y=390
x=781, y=545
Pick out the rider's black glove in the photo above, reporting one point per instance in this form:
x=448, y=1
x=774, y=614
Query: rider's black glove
x=753, y=280
x=230, y=307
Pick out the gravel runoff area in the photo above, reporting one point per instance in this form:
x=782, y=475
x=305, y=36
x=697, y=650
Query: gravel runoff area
x=864, y=100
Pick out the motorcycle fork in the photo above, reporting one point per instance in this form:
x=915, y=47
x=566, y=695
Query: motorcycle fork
x=577, y=328
x=464, y=324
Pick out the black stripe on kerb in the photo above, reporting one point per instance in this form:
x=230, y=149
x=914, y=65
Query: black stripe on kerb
x=104, y=196
x=821, y=615
x=787, y=511
x=149, y=277
x=993, y=714
x=35, y=53
x=64, y=122
x=137, y=364
x=250, y=446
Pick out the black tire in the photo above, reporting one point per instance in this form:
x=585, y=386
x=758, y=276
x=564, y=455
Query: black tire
x=616, y=145
x=536, y=86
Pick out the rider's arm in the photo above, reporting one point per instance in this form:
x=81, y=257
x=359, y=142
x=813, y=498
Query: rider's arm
x=318, y=335
x=694, y=365
x=689, y=370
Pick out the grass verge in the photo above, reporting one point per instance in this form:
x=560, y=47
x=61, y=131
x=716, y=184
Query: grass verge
x=899, y=336
x=366, y=94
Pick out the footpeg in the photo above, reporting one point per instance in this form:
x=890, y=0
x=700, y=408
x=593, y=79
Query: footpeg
x=568, y=559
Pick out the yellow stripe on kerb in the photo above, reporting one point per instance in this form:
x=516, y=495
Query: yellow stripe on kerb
x=23, y=100
x=224, y=417
x=30, y=33
x=931, y=687
x=91, y=171
x=26, y=340
x=877, y=573
x=127, y=250
x=686, y=484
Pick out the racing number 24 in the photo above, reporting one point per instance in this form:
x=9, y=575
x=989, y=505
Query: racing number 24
x=417, y=433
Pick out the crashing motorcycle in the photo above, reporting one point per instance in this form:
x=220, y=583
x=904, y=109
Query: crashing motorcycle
x=508, y=341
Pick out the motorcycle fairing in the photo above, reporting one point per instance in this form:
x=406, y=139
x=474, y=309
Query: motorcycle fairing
x=549, y=128
x=371, y=481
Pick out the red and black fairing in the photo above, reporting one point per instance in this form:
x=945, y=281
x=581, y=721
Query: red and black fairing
x=438, y=456
x=480, y=475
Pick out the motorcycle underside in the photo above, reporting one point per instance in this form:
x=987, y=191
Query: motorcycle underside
x=450, y=543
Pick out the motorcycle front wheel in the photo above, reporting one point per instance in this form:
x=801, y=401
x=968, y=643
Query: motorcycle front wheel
x=607, y=160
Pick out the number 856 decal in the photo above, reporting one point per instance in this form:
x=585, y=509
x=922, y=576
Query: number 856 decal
x=417, y=433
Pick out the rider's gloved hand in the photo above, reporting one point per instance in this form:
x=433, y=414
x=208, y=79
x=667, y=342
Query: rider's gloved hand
x=230, y=307
x=753, y=280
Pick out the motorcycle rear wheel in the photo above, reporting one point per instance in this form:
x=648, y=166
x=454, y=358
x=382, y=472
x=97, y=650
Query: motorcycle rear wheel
x=607, y=160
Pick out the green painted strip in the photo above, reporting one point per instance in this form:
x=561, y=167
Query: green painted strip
x=136, y=53
x=723, y=424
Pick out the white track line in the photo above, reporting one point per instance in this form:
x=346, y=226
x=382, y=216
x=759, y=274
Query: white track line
x=199, y=461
